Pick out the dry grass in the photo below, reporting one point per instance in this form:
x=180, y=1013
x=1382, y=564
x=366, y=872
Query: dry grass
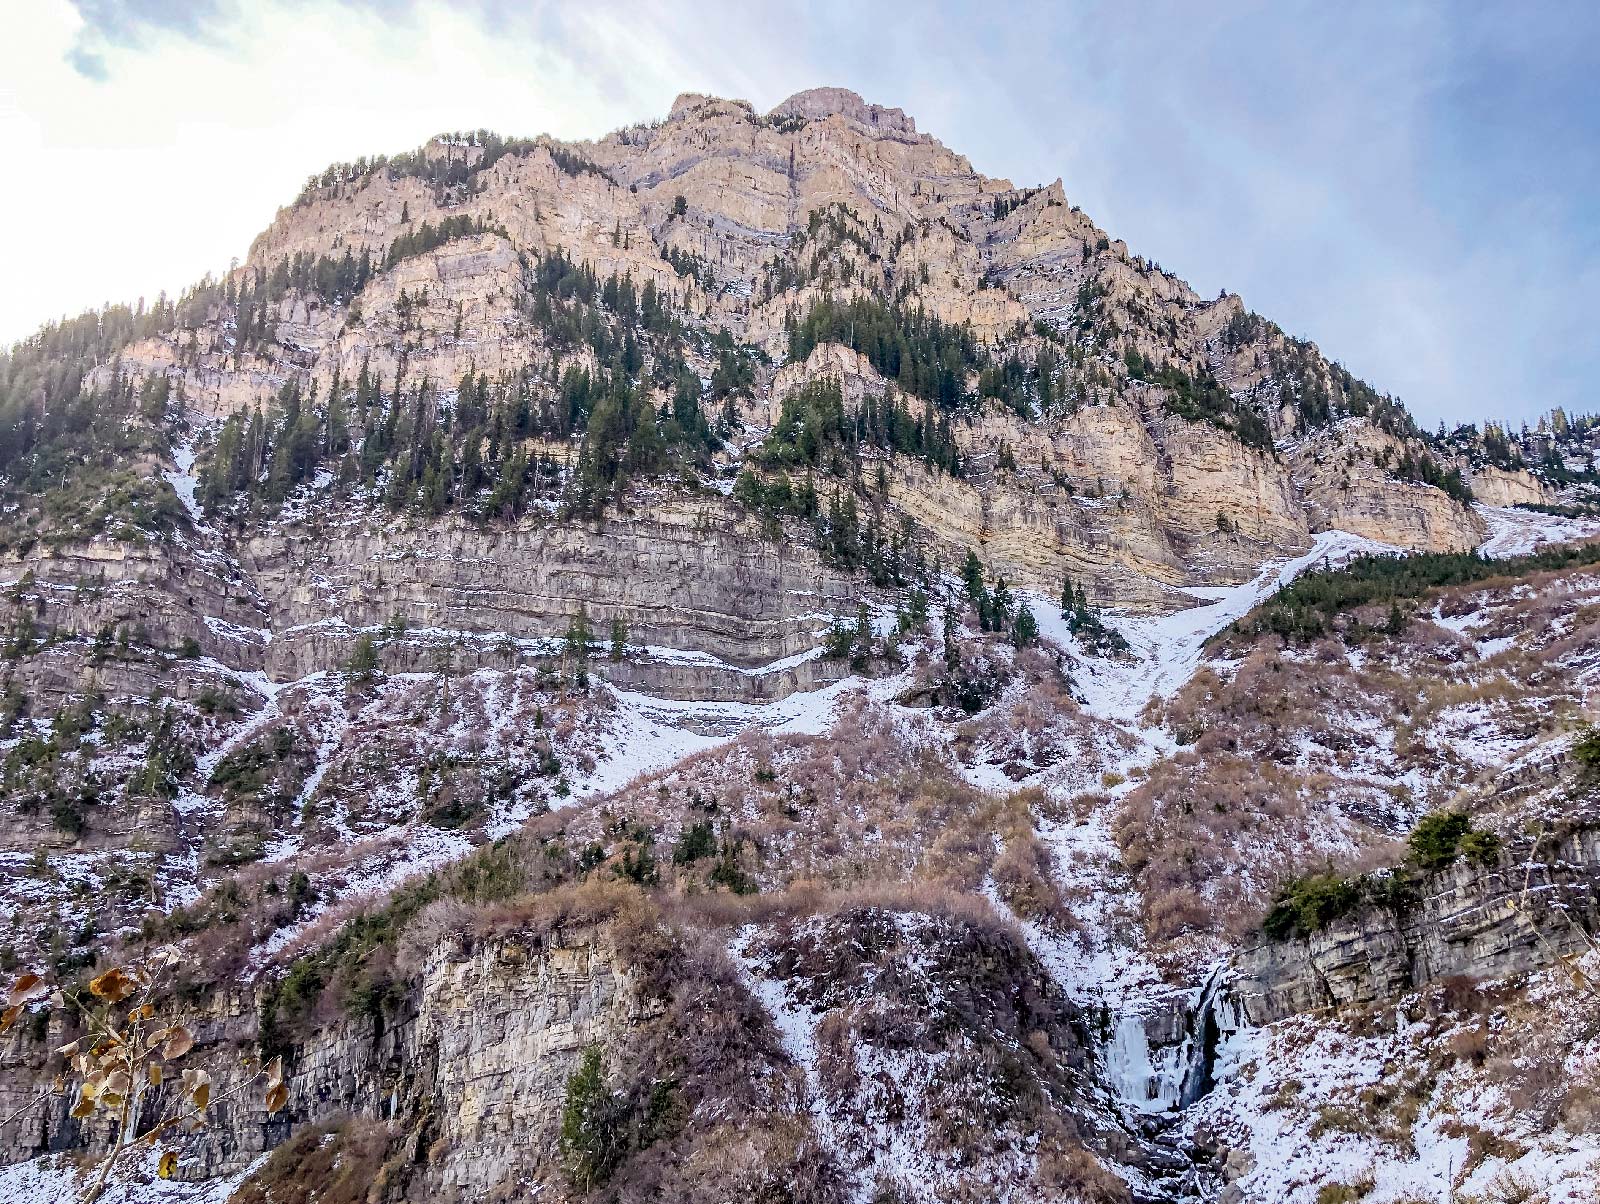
x=1209, y=837
x=1348, y=1192
x=1075, y=1174
x=861, y=807
x=336, y=1162
x=805, y=900
x=1299, y=757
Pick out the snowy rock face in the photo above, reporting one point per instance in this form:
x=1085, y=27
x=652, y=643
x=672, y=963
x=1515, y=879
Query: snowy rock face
x=608, y=771
x=937, y=1058
x=1534, y=904
x=1465, y=1090
x=688, y=577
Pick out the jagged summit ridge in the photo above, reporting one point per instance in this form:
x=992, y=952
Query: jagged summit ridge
x=816, y=103
x=811, y=104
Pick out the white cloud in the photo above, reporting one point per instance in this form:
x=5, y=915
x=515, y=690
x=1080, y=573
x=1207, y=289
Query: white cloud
x=167, y=168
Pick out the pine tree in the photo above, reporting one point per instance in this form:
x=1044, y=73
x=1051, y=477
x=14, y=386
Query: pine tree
x=590, y=1139
x=362, y=664
x=972, y=574
x=1025, y=628
x=1000, y=601
x=577, y=646
x=863, y=640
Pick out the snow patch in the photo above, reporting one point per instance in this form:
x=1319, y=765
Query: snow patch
x=1516, y=532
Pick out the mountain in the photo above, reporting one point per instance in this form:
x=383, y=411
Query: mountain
x=747, y=658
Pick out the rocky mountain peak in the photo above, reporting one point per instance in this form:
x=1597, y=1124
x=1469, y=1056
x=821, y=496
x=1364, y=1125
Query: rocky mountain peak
x=703, y=104
x=814, y=104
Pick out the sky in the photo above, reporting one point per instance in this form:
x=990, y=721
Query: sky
x=1415, y=187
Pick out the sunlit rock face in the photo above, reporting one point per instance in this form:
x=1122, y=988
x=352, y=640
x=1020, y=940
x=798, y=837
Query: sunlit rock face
x=756, y=598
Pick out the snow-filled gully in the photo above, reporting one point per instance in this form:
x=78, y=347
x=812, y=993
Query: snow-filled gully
x=1160, y=1048
x=1158, y=1043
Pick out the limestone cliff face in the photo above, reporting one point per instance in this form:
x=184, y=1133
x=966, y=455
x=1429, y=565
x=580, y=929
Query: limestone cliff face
x=1111, y=487
x=162, y=593
x=1135, y=509
x=1133, y=505
x=1503, y=487
x=1343, y=472
x=818, y=103
x=684, y=574
x=461, y=314
x=471, y=1071
x=850, y=370
x=1480, y=921
x=496, y=1035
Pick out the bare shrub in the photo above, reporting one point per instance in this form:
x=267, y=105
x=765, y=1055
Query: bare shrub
x=1580, y=1105
x=805, y=900
x=1470, y=1045
x=1532, y=1074
x=1511, y=1187
x=1349, y=1192
x=441, y=920
x=1025, y=874
x=1071, y=1170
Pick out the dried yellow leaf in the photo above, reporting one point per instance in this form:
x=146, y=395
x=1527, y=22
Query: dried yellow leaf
x=113, y=985
x=277, y=1097
x=168, y=1164
x=26, y=989
x=197, y=1086
x=179, y=1042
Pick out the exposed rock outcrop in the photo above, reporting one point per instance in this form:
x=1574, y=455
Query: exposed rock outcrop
x=816, y=103
x=1506, y=487
x=469, y=1072
x=737, y=193
x=1478, y=921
